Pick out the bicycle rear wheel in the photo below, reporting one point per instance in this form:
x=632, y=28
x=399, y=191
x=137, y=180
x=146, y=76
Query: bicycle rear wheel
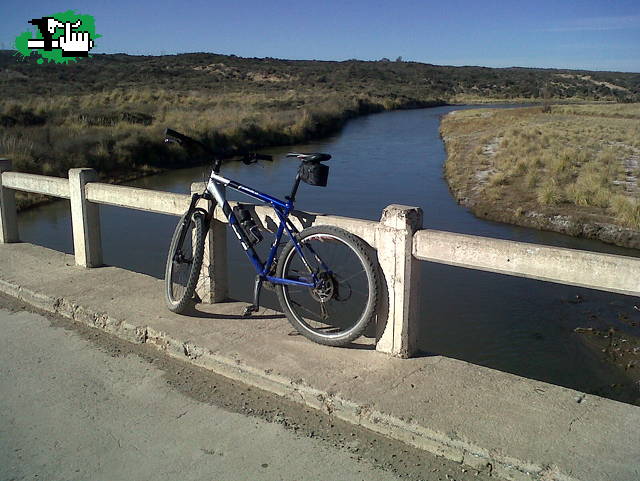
x=342, y=304
x=184, y=262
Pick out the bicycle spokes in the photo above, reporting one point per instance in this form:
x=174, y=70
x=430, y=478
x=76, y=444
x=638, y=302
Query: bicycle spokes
x=341, y=292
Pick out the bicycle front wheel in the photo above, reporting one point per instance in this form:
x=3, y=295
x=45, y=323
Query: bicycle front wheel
x=184, y=262
x=338, y=309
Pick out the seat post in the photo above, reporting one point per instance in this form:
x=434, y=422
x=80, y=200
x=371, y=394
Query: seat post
x=294, y=189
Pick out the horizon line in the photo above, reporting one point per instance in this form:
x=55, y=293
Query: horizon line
x=381, y=60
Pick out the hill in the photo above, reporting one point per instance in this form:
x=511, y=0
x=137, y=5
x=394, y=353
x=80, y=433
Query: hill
x=222, y=73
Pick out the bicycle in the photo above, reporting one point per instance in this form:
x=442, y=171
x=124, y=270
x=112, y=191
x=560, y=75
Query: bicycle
x=326, y=280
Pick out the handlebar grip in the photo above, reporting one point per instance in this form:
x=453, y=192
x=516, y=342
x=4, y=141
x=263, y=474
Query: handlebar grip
x=184, y=139
x=181, y=138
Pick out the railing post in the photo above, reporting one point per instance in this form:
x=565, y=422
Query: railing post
x=212, y=286
x=395, y=245
x=8, y=214
x=85, y=219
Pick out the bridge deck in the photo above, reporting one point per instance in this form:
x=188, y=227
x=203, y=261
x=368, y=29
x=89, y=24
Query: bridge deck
x=459, y=410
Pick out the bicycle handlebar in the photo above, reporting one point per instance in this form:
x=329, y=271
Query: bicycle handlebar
x=171, y=135
x=248, y=158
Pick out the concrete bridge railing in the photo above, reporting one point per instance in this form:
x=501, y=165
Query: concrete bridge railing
x=398, y=238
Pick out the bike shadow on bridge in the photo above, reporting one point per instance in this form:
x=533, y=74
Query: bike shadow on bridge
x=193, y=310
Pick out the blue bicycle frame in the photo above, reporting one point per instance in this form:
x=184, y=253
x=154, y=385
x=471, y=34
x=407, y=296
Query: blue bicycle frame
x=216, y=187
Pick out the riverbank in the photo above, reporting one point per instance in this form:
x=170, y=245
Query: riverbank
x=572, y=170
x=619, y=349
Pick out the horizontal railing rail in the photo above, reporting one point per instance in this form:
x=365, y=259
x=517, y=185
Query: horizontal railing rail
x=135, y=198
x=37, y=184
x=605, y=272
x=398, y=239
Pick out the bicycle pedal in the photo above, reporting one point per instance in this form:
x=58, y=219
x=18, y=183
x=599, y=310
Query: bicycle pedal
x=249, y=310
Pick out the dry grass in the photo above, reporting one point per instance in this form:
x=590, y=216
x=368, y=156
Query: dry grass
x=580, y=159
x=120, y=131
x=627, y=111
x=466, y=98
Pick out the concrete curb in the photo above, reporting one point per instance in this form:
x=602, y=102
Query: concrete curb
x=418, y=436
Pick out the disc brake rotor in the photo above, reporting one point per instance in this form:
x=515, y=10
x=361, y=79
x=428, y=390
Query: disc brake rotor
x=325, y=289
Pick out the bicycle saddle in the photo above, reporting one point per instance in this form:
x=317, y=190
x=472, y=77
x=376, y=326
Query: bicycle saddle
x=314, y=157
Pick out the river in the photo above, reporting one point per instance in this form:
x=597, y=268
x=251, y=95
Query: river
x=515, y=325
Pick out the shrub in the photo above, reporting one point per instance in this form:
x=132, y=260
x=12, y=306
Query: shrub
x=499, y=178
x=532, y=179
x=17, y=115
x=549, y=193
x=627, y=210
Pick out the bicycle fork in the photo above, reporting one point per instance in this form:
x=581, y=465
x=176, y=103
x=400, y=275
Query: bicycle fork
x=187, y=218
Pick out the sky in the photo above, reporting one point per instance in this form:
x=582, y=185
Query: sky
x=589, y=34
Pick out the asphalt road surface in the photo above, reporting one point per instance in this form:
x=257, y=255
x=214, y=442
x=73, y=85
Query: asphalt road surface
x=78, y=404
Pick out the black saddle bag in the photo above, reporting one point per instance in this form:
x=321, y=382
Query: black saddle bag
x=314, y=173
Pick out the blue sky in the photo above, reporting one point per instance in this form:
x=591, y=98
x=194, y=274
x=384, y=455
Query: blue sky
x=590, y=34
